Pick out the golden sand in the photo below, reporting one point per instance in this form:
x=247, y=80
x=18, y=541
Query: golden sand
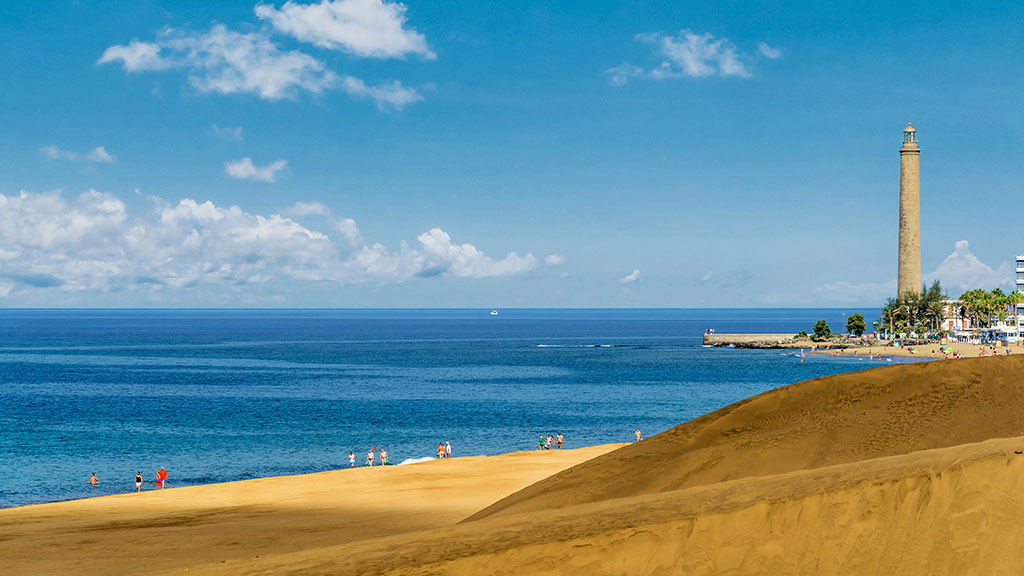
x=932, y=351
x=216, y=528
x=909, y=469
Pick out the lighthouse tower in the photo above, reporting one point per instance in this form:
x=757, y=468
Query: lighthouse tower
x=909, y=277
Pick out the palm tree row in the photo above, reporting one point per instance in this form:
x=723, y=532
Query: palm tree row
x=981, y=306
x=922, y=313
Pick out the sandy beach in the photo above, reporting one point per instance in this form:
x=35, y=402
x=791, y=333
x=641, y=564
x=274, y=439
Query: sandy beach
x=924, y=351
x=206, y=528
x=906, y=469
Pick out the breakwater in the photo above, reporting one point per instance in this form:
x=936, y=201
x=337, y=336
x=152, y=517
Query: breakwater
x=773, y=341
x=756, y=341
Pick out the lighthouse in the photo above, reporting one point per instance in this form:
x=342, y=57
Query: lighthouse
x=909, y=276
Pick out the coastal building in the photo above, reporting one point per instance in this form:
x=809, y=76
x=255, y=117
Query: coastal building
x=1020, y=273
x=955, y=320
x=1020, y=288
x=1007, y=326
x=909, y=273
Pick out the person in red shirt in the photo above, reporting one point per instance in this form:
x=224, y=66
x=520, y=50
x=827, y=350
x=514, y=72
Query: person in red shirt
x=161, y=478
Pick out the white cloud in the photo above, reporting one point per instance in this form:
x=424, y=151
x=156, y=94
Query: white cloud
x=346, y=226
x=93, y=243
x=229, y=133
x=442, y=256
x=392, y=95
x=223, y=61
x=688, y=54
x=554, y=259
x=367, y=28
x=54, y=153
x=135, y=56
x=698, y=55
x=244, y=169
x=959, y=272
x=630, y=278
x=962, y=271
x=768, y=52
x=621, y=75
x=349, y=230
x=308, y=209
x=98, y=154
x=228, y=62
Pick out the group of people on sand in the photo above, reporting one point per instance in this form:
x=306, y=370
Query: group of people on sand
x=444, y=450
x=371, y=457
x=160, y=481
x=549, y=442
x=991, y=351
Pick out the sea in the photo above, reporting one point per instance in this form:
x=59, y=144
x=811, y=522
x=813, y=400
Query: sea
x=223, y=395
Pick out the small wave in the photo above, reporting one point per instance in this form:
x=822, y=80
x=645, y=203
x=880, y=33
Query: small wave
x=585, y=346
x=416, y=460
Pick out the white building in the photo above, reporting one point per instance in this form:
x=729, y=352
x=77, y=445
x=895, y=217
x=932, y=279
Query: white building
x=1011, y=328
x=1020, y=288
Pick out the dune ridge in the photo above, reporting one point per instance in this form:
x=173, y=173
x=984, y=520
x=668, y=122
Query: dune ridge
x=832, y=420
x=946, y=511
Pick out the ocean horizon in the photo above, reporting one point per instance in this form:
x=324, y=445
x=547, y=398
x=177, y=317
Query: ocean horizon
x=220, y=394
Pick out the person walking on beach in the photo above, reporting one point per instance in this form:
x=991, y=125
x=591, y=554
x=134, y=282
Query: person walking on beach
x=351, y=460
x=93, y=480
x=161, y=478
x=637, y=435
x=440, y=450
x=138, y=481
x=369, y=457
x=384, y=457
x=540, y=443
x=447, y=449
x=559, y=439
x=548, y=442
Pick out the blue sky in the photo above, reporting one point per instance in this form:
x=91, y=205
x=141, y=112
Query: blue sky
x=367, y=153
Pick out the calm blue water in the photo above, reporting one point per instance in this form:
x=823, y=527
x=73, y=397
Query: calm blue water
x=218, y=395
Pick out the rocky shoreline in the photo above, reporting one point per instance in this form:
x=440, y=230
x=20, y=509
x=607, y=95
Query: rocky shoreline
x=785, y=341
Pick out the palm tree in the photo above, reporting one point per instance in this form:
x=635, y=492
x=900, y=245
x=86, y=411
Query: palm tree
x=933, y=305
x=978, y=306
x=889, y=313
x=1013, y=299
x=936, y=312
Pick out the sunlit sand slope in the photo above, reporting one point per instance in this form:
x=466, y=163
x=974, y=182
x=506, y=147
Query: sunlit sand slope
x=838, y=419
x=948, y=511
x=207, y=528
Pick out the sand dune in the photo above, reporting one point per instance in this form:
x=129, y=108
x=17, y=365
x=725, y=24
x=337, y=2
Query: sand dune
x=838, y=419
x=948, y=511
x=911, y=469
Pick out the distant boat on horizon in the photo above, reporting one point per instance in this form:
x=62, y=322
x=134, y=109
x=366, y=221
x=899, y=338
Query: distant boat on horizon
x=494, y=312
